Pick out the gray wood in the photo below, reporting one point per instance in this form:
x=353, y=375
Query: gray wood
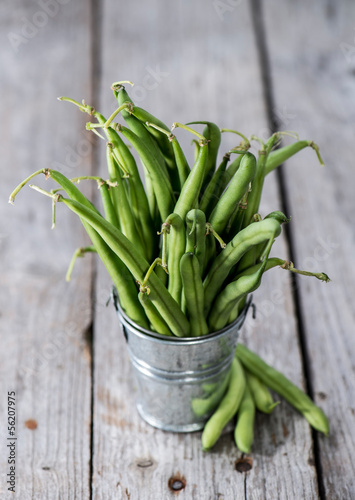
x=212, y=72
x=312, y=57
x=45, y=356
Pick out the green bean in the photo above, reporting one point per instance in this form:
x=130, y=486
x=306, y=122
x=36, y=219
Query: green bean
x=244, y=430
x=254, y=256
x=284, y=387
x=191, y=189
x=196, y=235
x=161, y=185
x=136, y=264
x=213, y=135
x=139, y=128
x=209, y=197
x=251, y=257
x=234, y=292
x=237, y=188
x=176, y=249
x=180, y=160
x=193, y=291
x=238, y=307
x=240, y=244
x=270, y=263
x=236, y=221
x=258, y=181
x=127, y=222
x=286, y=265
x=227, y=408
x=79, y=253
x=276, y=158
x=261, y=394
x=162, y=140
x=203, y=407
x=230, y=172
x=155, y=319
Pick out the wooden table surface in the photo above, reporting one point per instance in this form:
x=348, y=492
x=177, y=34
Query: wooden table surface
x=254, y=66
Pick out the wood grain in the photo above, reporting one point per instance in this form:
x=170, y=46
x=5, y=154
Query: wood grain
x=45, y=356
x=313, y=77
x=203, y=62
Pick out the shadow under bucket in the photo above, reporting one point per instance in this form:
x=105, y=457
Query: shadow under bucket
x=179, y=380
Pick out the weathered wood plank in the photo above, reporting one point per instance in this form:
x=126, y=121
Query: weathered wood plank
x=209, y=70
x=45, y=357
x=312, y=56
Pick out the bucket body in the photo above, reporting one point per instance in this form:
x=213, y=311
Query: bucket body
x=179, y=381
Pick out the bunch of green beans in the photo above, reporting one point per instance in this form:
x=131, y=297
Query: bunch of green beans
x=249, y=390
x=184, y=244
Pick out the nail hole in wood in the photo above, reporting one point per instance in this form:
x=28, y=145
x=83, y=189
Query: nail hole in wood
x=244, y=464
x=177, y=483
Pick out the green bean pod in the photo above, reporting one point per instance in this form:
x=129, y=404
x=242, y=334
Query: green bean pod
x=233, y=293
x=182, y=166
x=253, y=257
x=258, y=181
x=213, y=135
x=240, y=244
x=140, y=129
x=127, y=222
x=270, y=264
x=111, y=214
x=284, y=387
x=209, y=197
x=244, y=430
x=193, y=291
x=236, y=221
x=191, y=189
x=162, y=140
x=161, y=184
x=136, y=264
x=276, y=158
x=238, y=307
x=79, y=253
x=260, y=393
x=203, y=407
x=196, y=235
x=156, y=320
x=176, y=249
x=181, y=162
x=227, y=408
x=228, y=174
x=238, y=186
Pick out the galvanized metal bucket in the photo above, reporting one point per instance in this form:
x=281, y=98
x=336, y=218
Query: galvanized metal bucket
x=179, y=381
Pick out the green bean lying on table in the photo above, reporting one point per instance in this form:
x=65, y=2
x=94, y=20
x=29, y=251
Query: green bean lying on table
x=284, y=387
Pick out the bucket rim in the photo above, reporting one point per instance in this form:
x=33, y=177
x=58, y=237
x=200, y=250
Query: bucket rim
x=153, y=336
